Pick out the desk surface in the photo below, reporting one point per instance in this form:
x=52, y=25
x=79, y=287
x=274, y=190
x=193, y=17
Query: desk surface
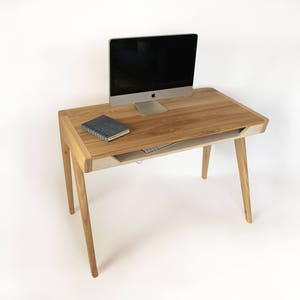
x=205, y=112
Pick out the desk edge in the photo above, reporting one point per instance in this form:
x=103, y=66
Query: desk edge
x=265, y=119
x=74, y=142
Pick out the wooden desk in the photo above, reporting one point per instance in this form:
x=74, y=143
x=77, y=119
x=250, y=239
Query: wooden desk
x=204, y=118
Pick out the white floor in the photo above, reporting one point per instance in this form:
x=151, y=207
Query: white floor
x=160, y=232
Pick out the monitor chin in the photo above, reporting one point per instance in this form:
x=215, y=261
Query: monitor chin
x=150, y=95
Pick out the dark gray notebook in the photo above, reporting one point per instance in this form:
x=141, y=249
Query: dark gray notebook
x=105, y=128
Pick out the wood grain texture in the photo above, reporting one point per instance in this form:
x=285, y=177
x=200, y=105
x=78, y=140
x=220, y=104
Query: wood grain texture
x=266, y=120
x=240, y=147
x=85, y=216
x=205, y=160
x=205, y=112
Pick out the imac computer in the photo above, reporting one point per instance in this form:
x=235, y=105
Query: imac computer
x=145, y=69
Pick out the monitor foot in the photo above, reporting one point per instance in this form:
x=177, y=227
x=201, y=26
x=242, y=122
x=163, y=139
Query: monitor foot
x=150, y=107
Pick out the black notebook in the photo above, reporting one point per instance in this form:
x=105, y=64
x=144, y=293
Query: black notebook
x=105, y=128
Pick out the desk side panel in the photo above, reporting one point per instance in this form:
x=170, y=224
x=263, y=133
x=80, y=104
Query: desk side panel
x=74, y=142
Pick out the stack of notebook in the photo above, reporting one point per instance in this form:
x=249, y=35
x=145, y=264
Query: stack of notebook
x=105, y=128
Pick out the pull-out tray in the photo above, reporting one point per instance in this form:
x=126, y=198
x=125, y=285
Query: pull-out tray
x=140, y=155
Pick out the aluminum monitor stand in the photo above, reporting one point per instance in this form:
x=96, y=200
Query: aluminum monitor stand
x=150, y=107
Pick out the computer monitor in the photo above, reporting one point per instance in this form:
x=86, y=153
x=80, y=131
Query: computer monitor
x=145, y=69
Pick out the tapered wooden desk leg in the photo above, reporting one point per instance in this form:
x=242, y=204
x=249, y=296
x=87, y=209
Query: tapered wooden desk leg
x=205, y=160
x=68, y=175
x=240, y=148
x=85, y=215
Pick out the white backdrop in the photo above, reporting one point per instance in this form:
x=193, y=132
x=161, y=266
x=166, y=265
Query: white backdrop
x=54, y=55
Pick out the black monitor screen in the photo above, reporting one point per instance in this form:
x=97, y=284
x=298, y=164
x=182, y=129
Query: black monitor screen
x=151, y=63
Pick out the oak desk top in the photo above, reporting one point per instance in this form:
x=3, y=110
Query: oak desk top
x=206, y=112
